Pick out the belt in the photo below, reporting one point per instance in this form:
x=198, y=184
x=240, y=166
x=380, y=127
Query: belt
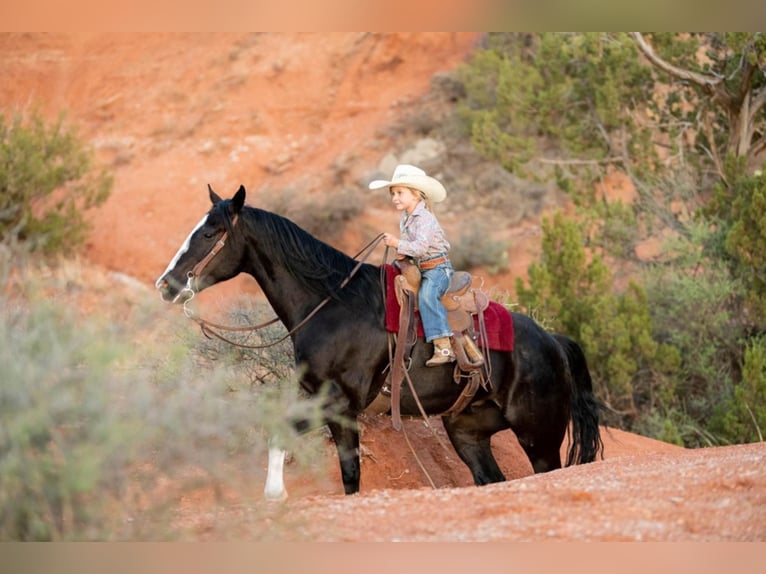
x=431, y=263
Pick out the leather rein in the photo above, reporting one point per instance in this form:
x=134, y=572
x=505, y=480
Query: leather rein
x=211, y=329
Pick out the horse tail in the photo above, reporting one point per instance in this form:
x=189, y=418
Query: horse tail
x=586, y=443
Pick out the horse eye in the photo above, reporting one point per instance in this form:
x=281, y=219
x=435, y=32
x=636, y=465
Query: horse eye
x=209, y=235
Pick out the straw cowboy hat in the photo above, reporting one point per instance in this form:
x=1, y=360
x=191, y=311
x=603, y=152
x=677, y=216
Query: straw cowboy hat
x=411, y=176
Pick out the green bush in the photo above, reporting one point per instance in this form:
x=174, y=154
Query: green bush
x=574, y=292
x=741, y=417
x=104, y=429
x=47, y=181
x=676, y=350
x=62, y=438
x=739, y=210
x=555, y=95
x=674, y=426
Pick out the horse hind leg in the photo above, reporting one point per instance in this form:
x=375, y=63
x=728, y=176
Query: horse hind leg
x=541, y=439
x=543, y=458
x=470, y=433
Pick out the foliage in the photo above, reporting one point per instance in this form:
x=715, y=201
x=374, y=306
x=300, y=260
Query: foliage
x=716, y=91
x=681, y=116
x=103, y=430
x=61, y=438
x=574, y=290
x=582, y=101
x=255, y=366
x=694, y=307
x=739, y=208
x=47, y=181
x=571, y=108
x=533, y=101
x=667, y=357
x=742, y=416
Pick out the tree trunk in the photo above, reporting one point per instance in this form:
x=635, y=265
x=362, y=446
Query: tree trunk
x=740, y=128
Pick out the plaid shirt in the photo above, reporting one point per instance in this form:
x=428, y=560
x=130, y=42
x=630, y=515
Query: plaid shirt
x=421, y=235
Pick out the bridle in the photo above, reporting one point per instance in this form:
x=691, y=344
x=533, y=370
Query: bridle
x=197, y=270
x=211, y=329
x=200, y=266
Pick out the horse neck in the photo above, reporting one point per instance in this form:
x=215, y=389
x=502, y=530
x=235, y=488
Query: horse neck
x=287, y=295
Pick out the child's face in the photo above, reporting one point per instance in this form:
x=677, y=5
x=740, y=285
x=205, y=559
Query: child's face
x=404, y=198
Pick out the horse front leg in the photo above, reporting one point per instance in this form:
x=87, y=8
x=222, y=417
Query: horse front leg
x=346, y=436
x=275, y=484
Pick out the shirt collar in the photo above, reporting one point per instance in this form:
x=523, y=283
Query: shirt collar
x=421, y=206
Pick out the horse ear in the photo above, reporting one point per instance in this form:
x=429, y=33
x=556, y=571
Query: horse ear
x=214, y=197
x=239, y=199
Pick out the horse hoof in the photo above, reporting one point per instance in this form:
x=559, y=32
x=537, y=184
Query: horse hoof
x=275, y=496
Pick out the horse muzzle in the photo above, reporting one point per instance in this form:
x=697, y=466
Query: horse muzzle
x=174, y=292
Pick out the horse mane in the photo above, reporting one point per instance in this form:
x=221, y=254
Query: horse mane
x=316, y=265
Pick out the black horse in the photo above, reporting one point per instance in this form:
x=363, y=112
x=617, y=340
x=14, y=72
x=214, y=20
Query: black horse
x=537, y=390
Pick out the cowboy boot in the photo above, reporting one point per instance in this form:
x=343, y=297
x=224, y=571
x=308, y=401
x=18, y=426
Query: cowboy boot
x=443, y=352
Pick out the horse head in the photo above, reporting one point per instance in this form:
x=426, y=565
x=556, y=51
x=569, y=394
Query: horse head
x=209, y=254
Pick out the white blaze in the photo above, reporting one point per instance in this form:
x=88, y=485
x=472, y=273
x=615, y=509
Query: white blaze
x=183, y=249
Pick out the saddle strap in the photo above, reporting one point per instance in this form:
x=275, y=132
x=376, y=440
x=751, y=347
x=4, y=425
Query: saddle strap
x=480, y=307
x=466, y=396
x=404, y=342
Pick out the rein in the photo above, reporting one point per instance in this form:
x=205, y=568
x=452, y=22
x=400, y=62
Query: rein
x=209, y=328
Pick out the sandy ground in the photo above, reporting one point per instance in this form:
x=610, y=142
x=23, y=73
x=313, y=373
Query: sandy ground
x=170, y=113
x=643, y=490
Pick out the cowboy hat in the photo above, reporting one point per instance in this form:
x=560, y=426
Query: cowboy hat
x=411, y=176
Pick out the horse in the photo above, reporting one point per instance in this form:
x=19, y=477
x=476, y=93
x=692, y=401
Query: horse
x=542, y=389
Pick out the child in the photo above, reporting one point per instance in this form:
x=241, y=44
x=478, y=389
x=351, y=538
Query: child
x=423, y=240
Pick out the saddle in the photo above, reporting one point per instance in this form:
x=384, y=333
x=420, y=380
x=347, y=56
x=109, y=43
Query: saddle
x=462, y=303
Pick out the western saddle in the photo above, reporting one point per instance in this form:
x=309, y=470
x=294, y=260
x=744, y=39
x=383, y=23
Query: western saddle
x=462, y=303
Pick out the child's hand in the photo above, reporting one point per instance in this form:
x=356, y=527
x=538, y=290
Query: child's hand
x=390, y=240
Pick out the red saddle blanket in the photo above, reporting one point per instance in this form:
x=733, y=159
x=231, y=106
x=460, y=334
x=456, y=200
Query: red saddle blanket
x=497, y=319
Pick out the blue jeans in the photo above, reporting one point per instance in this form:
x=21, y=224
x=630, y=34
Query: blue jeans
x=433, y=285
